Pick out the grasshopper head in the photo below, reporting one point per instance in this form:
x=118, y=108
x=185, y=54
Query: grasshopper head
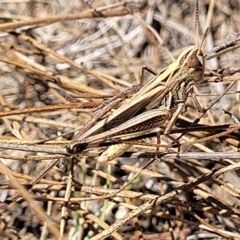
x=195, y=59
x=192, y=62
x=195, y=64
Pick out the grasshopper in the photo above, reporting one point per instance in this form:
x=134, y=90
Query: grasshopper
x=158, y=101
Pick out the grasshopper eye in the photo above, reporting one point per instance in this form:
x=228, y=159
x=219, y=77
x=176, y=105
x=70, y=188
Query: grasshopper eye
x=193, y=60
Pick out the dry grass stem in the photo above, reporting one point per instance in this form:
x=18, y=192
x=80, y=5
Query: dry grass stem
x=65, y=66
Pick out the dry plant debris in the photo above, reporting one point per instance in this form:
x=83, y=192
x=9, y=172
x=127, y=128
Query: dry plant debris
x=61, y=59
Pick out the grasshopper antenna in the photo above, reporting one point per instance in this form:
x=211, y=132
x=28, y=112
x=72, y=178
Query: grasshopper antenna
x=197, y=23
x=199, y=45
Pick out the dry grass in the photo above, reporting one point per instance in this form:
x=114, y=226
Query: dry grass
x=58, y=60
